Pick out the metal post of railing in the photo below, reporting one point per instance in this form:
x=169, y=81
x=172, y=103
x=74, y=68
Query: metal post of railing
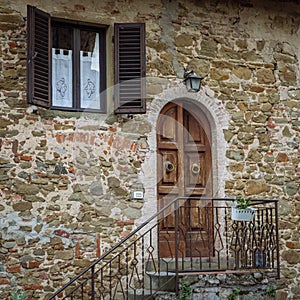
x=110, y=278
x=143, y=266
x=93, y=283
x=277, y=240
x=176, y=247
x=127, y=269
x=227, y=238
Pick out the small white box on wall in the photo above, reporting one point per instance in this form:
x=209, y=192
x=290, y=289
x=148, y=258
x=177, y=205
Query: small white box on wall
x=139, y=195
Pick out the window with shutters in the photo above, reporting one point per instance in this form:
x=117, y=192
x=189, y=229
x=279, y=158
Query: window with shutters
x=67, y=64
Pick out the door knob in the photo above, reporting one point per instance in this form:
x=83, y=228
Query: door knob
x=195, y=169
x=169, y=166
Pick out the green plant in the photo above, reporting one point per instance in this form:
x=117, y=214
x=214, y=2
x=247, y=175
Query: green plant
x=19, y=295
x=185, y=291
x=271, y=291
x=233, y=295
x=242, y=202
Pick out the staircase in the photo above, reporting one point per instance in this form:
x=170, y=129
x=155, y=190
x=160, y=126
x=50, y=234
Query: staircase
x=135, y=269
x=157, y=284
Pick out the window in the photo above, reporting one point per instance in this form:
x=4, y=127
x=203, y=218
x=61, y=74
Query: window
x=67, y=64
x=77, y=50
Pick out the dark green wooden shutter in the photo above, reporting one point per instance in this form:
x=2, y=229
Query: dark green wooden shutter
x=38, y=57
x=130, y=68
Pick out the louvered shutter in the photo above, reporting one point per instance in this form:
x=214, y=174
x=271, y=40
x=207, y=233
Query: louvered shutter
x=130, y=68
x=38, y=57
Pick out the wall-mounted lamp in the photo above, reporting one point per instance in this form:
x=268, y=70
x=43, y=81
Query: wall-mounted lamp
x=192, y=81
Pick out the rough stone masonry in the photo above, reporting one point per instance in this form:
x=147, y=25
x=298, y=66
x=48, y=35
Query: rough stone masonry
x=65, y=178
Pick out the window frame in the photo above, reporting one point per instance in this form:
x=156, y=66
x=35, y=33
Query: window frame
x=76, y=26
x=37, y=51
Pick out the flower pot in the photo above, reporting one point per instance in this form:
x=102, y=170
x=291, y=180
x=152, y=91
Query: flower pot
x=240, y=214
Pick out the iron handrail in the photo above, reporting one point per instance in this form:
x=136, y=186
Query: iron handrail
x=176, y=204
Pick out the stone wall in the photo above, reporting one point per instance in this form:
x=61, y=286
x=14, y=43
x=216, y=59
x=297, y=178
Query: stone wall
x=65, y=178
x=230, y=286
x=224, y=286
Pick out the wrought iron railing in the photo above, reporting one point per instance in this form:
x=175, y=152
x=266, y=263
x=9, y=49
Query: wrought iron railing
x=189, y=235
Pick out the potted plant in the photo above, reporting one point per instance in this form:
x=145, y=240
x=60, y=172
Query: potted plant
x=242, y=211
x=19, y=295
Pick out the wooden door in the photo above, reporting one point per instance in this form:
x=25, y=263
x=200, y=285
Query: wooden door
x=184, y=170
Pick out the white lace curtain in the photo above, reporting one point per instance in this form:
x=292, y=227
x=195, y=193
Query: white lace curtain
x=62, y=78
x=89, y=78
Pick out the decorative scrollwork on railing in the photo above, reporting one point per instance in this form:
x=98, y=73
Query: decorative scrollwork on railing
x=187, y=235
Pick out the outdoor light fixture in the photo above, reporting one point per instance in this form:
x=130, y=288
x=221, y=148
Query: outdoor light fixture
x=192, y=81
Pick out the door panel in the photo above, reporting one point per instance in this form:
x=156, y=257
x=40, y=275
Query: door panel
x=195, y=176
x=194, y=134
x=184, y=170
x=169, y=121
x=168, y=171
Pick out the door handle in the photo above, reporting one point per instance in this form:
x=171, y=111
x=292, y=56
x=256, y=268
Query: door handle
x=169, y=166
x=195, y=169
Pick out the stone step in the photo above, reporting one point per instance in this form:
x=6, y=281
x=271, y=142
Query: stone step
x=194, y=264
x=140, y=294
x=147, y=295
x=160, y=276
x=164, y=281
x=155, y=283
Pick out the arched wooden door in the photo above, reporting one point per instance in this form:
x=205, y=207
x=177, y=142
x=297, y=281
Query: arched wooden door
x=184, y=170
